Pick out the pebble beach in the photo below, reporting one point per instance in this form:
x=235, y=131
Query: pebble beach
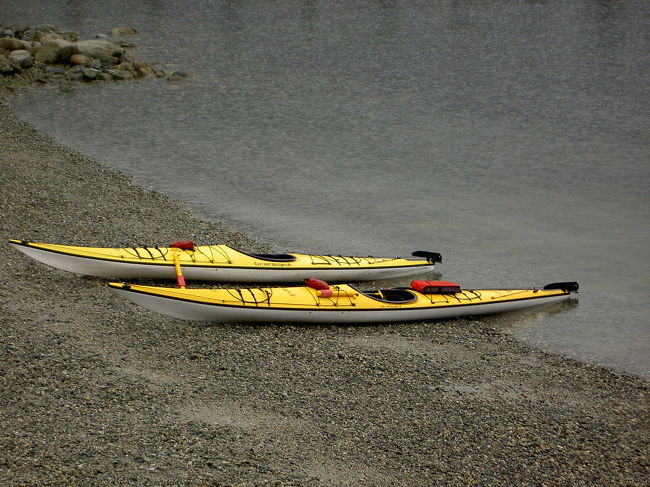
x=95, y=391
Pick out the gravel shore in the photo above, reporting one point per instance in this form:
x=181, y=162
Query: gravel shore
x=96, y=391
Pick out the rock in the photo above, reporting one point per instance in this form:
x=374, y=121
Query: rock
x=33, y=47
x=44, y=33
x=12, y=44
x=159, y=71
x=6, y=66
x=43, y=37
x=26, y=35
x=42, y=54
x=23, y=28
x=21, y=58
x=46, y=28
x=177, y=76
x=70, y=36
x=91, y=73
x=127, y=66
x=122, y=31
x=80, y=59
x=142, y=69
x=105, y=51
x=119, y=75
x=54, y=70
x=56, y=51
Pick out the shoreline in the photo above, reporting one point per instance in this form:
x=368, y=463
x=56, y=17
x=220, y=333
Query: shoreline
x=96, y=391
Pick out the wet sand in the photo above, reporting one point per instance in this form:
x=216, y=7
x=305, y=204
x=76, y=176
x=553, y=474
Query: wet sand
x=97, y=391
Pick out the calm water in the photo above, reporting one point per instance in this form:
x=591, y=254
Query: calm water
x=511, y=136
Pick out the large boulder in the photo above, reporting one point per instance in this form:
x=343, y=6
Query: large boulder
x=21, y=58
x=55, y=51
x=101, y=49
x=11, y=43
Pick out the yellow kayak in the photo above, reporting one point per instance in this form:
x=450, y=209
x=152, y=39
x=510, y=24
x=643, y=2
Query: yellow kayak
x=322, y=303
x=221, y=263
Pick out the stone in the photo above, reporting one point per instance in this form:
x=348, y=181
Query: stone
x=33, y=47
x=21, y=58
x=143, y=69
x=127, y=66
x=44, y=36
x=6, y=66
x=46, y=28
x=177, y=76
x=54, y=70
x=43, y=54
x=56, y=51
x=26, y=35
x=80, y=59
x=91, y=73
x=12, y=44
x=123, y=31
x=70, y=36
x=119, y=75
x=101, y=49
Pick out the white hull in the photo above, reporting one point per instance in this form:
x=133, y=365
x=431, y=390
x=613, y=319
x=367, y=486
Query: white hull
x=234, y=314
x=126, y=270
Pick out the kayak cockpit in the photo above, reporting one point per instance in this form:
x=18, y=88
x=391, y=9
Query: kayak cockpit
x=270, y=257
x=391, y=295
x=397, y=295
x=189, y=245
x=275, y=257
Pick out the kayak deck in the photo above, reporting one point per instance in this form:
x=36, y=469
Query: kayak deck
x=216, y=255
x=339, y=303
x=200, y=262
x=343, y=297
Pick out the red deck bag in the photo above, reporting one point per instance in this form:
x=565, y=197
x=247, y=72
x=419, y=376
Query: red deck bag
x=183, y=244
x=435, y=287
x=322, y=286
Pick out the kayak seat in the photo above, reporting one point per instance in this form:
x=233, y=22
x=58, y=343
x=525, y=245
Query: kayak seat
x=392, y=295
